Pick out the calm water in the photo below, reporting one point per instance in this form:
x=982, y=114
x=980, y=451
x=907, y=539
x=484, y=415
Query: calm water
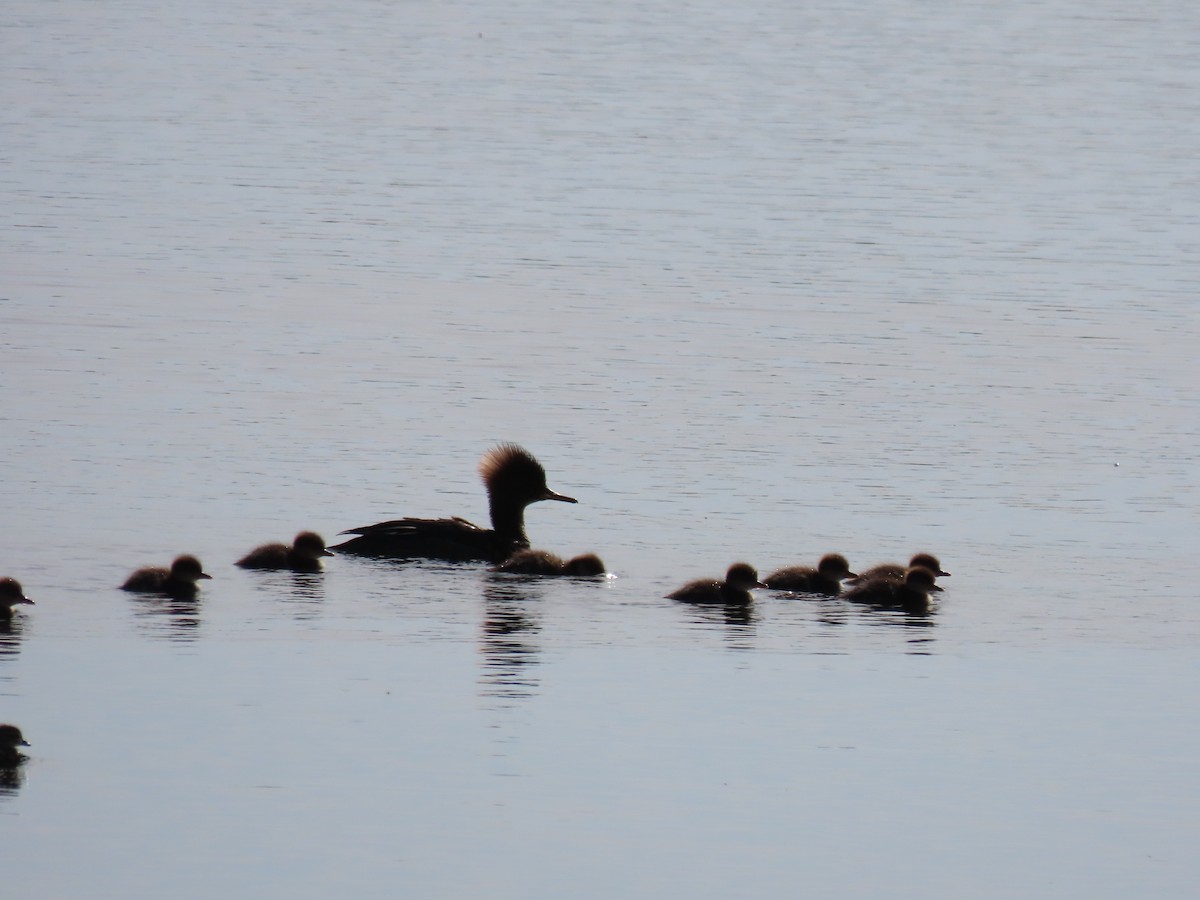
x=754, y=282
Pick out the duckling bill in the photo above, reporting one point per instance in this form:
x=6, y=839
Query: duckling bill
x=513, y=478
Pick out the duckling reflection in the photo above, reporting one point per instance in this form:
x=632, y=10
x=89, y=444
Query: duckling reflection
x=543, y=562
x=737, y=620
x=304, y=555
x=11, y=630
x=178, y=582
x=173, y=617
x=511, y=618
x=302, y=593
x=826, y=578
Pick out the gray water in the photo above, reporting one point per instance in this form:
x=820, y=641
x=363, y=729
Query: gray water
x=754, y=281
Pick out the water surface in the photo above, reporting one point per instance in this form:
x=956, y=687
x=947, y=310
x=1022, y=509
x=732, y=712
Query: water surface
x=753, y=283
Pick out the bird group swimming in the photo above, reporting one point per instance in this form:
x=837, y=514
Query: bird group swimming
x=514, y=480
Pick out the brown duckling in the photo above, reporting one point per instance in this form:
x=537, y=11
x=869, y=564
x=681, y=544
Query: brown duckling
x=10, y=739
x=542, y=562
x=735, y=589
x=513, y=480
x=826, y=578
x=178, y=581
x=911, y=593
x=11, y=595
x=895, y=571
x=303, y=556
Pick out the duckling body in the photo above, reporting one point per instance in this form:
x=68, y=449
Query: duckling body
x=177, y=581
x=304, y=555
x=542, y=562
x=734, y=590
x=513, y=479
x=826, y=578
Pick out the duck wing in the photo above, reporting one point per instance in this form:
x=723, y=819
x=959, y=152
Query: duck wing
x=453, y=540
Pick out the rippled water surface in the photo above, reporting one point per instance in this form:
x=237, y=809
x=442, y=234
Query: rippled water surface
x=753, y=282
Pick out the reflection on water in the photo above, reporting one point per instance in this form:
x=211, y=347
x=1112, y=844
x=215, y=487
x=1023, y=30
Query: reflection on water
x=303, y=591
x=511, y=619
x=919, y=623
x=12, y=777
x=11, y=629
x=173, y=618
x=830, y=282
x=736, y=621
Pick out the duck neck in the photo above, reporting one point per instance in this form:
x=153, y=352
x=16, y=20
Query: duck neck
x=508, y=521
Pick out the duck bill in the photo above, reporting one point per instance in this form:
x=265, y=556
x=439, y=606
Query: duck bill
x=204, y=575
x=551, y=495
x=933, y=588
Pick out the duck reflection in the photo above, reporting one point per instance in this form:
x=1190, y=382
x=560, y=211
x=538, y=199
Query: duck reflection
x=511, y=619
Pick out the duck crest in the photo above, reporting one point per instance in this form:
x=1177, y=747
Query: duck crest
x=511, y=461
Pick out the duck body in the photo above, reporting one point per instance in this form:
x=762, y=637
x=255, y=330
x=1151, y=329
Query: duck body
x=514, y=479
x=910, y=593
x=826, y=578
x=304, y=555
x=11, y=594
x=733, y=591
x=177, y=581
x=542, y=562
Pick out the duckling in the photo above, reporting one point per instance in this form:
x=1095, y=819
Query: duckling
x=178, y=581
x=542, y=562
x=734, y=590
x=303, y=556
x=826, y=578
x=910, y=594
x=896, y=571
x=10, y=739
x=11, y=595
